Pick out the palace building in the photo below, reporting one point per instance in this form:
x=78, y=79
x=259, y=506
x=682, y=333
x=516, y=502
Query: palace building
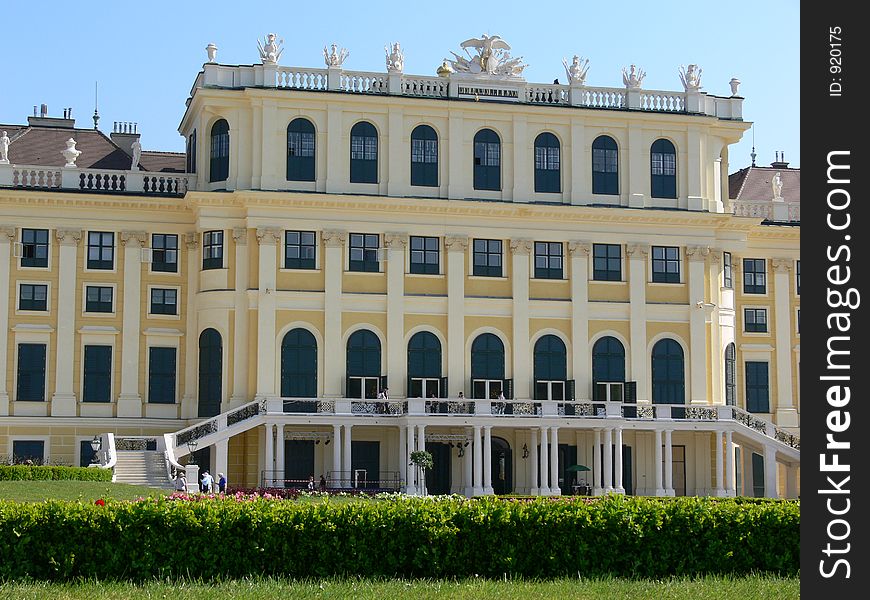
x=553, y=288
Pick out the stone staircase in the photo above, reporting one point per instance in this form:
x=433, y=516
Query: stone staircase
x=146, y=468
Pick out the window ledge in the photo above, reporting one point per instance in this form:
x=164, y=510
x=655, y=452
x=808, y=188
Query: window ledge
x=609, y=282
x=426, y=275
x=313, y=271
x=486, y=278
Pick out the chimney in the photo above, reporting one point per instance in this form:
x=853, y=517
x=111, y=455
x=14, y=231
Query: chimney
x=43, y=120
x=779, y=163
x=124, y=133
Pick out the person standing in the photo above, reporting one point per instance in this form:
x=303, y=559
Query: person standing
x=180, y=481
x=322, y=483
x=222, y=483
x=311, y=483
x=206, y=481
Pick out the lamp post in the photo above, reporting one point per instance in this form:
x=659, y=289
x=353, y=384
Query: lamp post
x=96, y=444
x=525, y=451
x=191, y=448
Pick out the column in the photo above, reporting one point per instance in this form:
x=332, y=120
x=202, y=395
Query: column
x=786, y=414
x=617, y=462
x=336, y=457
x=7, y=236
x=269, y=460
x=397, y=360
x=608, y=460
x=467, y=468
x=720, y=464
x=457, y=246
x=191, y=340
x=457, y=164
x=403, y=458
x=669, y=464
x=555, y=489
x=477, y=490
x=129, y=400
x=487, y=459
x=729, y=465
x=521, y=188
x=596, y=464
x=421, y=447
x=333, y=353
x=411, y=487
x=658, y=468
x=545, y=464
x=347, y=466
x=520, y=250
x=63, y=402
x=267, y=297
x=279, y=454
x=579, y=252
x=221, y=459
x=637, y=259
x=240, y=319
x=534, y=490
x=697, y=258
x=771, y=490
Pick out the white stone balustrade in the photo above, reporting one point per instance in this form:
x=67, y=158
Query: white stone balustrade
x=96, y=180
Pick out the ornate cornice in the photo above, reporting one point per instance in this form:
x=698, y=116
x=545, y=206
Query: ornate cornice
x=68, y=237
x=191, y=240
x=8, y=231
x=637, y=250
x=456, y=243
x=579, y=249
x=270, y=236
x=240, y=236
x=521, y=247
x=400, y=240
x=133, y=238
x=334, y=238
x=697, y=253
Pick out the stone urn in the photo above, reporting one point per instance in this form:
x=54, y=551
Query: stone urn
x=211, y=49
x=71, y=154
x=735, y=85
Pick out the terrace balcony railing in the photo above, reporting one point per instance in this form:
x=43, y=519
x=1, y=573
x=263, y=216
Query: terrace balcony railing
x=108, y=181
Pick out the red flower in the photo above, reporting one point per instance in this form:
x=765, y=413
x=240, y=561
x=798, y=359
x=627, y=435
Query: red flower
x=100, y=502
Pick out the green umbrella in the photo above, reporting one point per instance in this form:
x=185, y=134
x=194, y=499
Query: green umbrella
x=578, y=468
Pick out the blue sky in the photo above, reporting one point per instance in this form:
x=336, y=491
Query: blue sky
x=145, y=56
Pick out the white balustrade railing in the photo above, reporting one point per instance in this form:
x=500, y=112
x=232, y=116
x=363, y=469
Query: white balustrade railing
x=363, y=83
x=768, y=210
x=301, y=79
x=428, y=87
x=547, y=94
x=662, y=101
x=96, y=180
x=602, y=97
x=35, y=177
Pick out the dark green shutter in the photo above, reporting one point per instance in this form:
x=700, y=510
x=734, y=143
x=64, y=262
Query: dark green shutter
x=161, y=375
x=445, y=392
x=31, y=372
x=630, y=392
x=98, y=374
x=508, y=388
x=570, y=389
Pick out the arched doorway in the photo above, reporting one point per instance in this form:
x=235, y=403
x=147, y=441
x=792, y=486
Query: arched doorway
x=424, y=366
x=438, y=477
x=299, y=370
x=210, y=373
x=668, y=375
x=502, y=466
x=551, y=368
x=363, y=365
x=487, y=367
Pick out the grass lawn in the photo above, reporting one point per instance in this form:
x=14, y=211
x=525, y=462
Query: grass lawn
x=743, y=588
x=36, y=491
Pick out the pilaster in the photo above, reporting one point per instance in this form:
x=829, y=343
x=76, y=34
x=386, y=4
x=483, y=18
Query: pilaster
x=337, y=167
x=456, y=162
x=63, y=402
x=699, y=311
x=520, y=250
x=7, y=236
x=521, y=188
x=456, y=245
x=580, y=185
x=240, y=318
x=637, y=262
x=579, y=253
x=786, y=413
x=129, y=400
x=398, y=165
x=397, y=361
x=191, y=351
x=638, y=168
x=333, y=354
x=269, y=239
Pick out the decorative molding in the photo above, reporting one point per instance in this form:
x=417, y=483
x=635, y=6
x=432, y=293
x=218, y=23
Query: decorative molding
x=191, y=240
x=334, y=238
x=716, y=255
x=641, y=250
x=782, y=265
x=456, y=243
x=134, y=238
x=240, y=236
x=8, y=231
x=399, y=239
x=579, y=249
x=697, y=253
x=521, y=247
x=268, y=236
x=68, y=237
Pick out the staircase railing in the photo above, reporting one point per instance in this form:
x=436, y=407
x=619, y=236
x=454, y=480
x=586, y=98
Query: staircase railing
x=223, y=421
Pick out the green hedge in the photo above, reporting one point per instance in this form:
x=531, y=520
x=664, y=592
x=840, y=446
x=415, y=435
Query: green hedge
x=629, y=537
x=42, y=473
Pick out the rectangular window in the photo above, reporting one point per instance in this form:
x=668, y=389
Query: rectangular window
x=665, y=264
x=364, y=252
x=97, y=386
x=727, y=274
x=28, y=451
x=31, y=373
x=424, y=255
x=164, y=301
x=212, y=250
x=161, y=375
x=548, y=260
x=101, y=250
x=757, y=387
x=34, y=251
x=190, y=162
x=487, y=258
x=754, y=276
x=607, y=262
x=164, y=249
x=33, y=297
x=98, y=299
x=798, y=278
x=299, y=249
x=755, y=320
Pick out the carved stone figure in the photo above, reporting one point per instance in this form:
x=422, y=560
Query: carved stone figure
x=136, y=147
x=71, y=154
x=211, y=50
x=576, y=71
x=395, y=58
x=335, y=56
x=633, y=78
x=776, y=184
x=4, y=149
x=691, y=77
x=492, y=58
x=270, y=52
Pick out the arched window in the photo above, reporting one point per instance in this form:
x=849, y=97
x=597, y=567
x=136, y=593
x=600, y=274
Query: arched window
x=487, y=367
x=300, y=150
x=424, y=366
x=363, y=365
x=551, y=368
x=210, y=373
x=663, y=159
x=219, y=160
x=730, y=375
x=487, y=160
x=548, y=164
x=608, y=360
x=605, y=166
x=363, y=153
x=424, y=156
x=299, y=364
x=668, y=375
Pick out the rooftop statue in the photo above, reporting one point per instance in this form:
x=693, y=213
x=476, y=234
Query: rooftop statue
x=4, y=149
x=576, y=71
x=633, y=77
x=136, y=147
x=492, y=58
x=270, y=52
x=334, y=56
x=776, y=184
x=395, y=58
x=691, y=77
